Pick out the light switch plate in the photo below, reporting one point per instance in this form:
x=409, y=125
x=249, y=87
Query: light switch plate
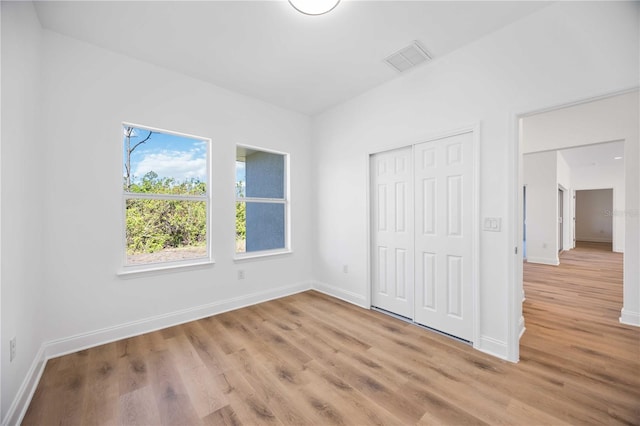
x=493, y=224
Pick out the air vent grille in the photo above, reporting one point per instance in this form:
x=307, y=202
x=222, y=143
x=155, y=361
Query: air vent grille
x=408, y=57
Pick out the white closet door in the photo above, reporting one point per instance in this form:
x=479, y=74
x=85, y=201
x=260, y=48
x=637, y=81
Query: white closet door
x=443, y=241
x=392, y=231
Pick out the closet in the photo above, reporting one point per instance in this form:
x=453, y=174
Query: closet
x=423, y=233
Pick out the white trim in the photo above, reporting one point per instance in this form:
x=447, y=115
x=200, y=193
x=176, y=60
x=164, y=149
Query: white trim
x=475, y=130
x=59, y=347
x=567, y=215
x=516, y=150
x=475, y=237
x=163, y=267
x=429, y=137
x=21, y=402
x=261, y=200
x=161, y=197
x=342, y=294
x=67, y=345
x=259, y=254
x=158, y=268
x=369, y=208
x=629, y=318
x=515, y=236
x=286, y=201
x=544, y=261
x=595, y=240
x=522, y=327
x=494, y=347
x=579, y=102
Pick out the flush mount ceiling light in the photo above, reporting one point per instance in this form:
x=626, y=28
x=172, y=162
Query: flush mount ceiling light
x=314, y=7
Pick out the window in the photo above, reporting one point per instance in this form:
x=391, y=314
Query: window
x=166, y=198
x=261, y=202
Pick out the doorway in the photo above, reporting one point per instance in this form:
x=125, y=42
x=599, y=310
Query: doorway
x=589, y=124
x=594, y=216
x=423, y=234
x=524, y=223
x=560, y=219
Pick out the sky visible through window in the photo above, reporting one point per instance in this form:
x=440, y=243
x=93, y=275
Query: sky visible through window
x=240, y=171
x=169, y=156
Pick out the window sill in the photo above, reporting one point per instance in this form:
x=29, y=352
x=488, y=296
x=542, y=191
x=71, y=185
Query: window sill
x=162, y=268
x=239, y=257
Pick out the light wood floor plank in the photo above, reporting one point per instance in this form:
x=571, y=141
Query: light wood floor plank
x=310, y=359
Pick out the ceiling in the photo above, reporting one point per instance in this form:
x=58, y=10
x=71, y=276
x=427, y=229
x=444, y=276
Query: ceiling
x=602, y=154
x=268, y=50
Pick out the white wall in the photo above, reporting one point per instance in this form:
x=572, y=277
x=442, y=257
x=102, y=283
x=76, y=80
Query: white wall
x=543, y=174
x=63, y=245
x=593, y=224
x=601, y=120
x=586, y=49
x=87, y=93
x=541, y=180
x=22, y=190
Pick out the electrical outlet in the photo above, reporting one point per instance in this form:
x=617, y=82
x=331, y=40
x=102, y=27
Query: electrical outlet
x=241, y=274
x=12, y=349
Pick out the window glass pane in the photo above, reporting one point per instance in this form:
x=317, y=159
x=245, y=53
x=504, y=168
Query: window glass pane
x=163, y=163
x=241, y=227
x=240, y=179
x=165, y=230
x=259, y=226
x=260, y=174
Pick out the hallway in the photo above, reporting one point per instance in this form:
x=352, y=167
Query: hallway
x=572, y=329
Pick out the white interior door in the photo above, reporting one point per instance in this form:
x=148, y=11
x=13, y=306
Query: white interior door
x=443, y=241
x=392, y=231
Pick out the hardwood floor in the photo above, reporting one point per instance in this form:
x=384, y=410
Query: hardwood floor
x=312, y=359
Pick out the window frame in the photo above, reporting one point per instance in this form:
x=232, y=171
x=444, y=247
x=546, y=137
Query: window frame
x=159, y=266
x=286, y=201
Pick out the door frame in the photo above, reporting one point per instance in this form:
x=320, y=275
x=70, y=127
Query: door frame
x=515, y=289
x=474, y=129
x=568, y=212
x=561, y=194
x=524, y=222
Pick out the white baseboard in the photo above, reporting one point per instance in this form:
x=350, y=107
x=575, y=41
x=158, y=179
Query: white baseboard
x=522, y=327
x=595, y=240
x=543, y=260
x=629, y=317
x=492, y=346
x=83, y=341
x=19, y=406
x=342, y=294
x=59, y=347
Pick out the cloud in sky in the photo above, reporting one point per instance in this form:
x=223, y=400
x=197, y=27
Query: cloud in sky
x=180, y=165
x=168, y=155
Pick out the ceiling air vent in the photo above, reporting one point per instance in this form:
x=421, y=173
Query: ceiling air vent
x=408, y=57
